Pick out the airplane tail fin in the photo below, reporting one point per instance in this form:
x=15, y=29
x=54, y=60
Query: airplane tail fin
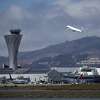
x=10, y=76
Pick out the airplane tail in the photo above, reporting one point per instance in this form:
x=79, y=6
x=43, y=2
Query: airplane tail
x=10, y=76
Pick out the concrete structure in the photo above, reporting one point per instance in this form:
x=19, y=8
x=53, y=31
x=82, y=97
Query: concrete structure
x=13, y=42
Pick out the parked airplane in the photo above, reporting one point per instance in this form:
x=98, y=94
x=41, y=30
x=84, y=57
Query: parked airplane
x=20, y=80
x=73, y=28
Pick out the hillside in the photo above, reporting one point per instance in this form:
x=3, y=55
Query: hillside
x=83, y=45
x=63, y=54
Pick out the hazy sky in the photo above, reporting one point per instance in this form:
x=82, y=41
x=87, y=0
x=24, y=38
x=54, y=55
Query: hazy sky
x=43, y=21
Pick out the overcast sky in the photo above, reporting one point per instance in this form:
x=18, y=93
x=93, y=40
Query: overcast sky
x=43, y=21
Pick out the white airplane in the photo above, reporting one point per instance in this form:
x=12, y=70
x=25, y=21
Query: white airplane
x=73, y=28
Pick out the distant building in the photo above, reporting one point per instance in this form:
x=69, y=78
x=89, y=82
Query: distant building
x=64, y=69
x=54, y=77
x=91, y=61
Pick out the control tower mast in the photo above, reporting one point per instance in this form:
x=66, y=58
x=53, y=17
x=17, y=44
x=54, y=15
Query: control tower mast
x=13, y=42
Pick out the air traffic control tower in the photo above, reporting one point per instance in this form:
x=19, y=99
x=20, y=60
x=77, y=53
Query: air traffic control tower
x=13, y=42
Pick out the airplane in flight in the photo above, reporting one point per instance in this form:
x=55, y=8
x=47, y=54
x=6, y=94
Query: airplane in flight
x=73, y=28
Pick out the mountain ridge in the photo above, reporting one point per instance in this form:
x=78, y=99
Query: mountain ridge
x=62, y=51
